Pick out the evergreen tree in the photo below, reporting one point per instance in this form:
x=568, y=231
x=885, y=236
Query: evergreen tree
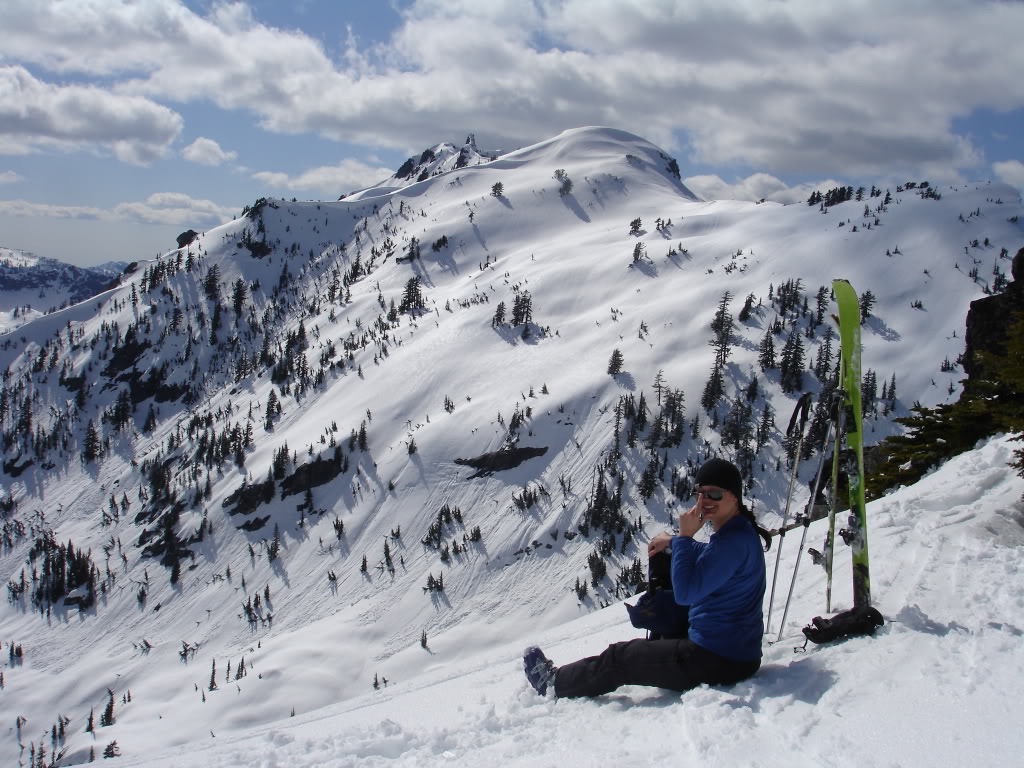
x=211, y=283
x=239, y=293
x=274, y=548
x=566, y=182
x=92, y=446
x=499, y=314
x=791, y=365
x=891, y=394
x=107, y=718
x=412, y=297
x=522, y=308
x=867, y=302
x=868, y=392
x=649, y=478
x=764, y=427
x=273, y=408
x=150, y=423
x=723, y=326
x=766, y=352
x=659, y=383
x=745, y=310
x=821, y=301
x=823, y=362
x=752, y=388
x=737, y=429
x=819, y=427
x=215, y=322
x=713, y=390
x=615, y=362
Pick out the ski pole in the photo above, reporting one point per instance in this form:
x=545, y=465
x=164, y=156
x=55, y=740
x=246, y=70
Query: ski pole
x=802, y=407
x=842, y=399
x=807, y=524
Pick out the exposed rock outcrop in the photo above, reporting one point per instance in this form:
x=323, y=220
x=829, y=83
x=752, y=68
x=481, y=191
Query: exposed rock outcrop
x=988, y=320
x=496, y=461
x=187, y=238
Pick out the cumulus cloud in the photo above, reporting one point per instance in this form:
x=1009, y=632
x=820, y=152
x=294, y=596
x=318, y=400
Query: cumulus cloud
x=207, y=152
x=173, y=208
x=9, y=177
x=1011, y=172
x=329, y=180
x=160, y=208
x=34, y=113
x=758, y=186
x=790, y=88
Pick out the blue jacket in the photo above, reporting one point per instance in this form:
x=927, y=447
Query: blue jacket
x=723, y=582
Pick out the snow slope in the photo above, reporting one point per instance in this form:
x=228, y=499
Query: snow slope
x=937, y=685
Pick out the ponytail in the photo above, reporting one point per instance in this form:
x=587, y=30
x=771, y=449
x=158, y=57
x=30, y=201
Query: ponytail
x=762, y=532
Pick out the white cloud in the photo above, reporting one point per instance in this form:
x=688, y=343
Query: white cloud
x=328, y=180
x=37, y=114
x=1011, y=172
x=759, y=186
x=9, y=177
x=788, y=87
x=207, y=152
x=174, y=208
x=159, y=208
x=26, y=209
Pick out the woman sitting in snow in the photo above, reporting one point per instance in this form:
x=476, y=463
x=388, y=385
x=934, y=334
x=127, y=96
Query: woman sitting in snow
x=723, y=583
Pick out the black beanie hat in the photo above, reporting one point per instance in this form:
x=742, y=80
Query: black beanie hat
x=722, y=474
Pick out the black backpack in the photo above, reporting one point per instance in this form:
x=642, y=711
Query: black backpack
x=657, y=610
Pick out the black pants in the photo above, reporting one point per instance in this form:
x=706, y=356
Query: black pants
x=675, y=664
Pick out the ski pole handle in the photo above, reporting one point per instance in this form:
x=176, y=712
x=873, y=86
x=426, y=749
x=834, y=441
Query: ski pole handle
x=803, y=407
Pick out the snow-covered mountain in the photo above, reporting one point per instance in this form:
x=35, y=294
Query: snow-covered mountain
x=32, y=285
x=268, y=444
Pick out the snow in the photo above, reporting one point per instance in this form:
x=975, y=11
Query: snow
x=935, y=686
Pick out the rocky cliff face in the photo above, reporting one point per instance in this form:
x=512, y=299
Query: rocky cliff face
x=988, y=320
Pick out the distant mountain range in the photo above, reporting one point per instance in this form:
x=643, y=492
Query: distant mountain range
x=32, y=285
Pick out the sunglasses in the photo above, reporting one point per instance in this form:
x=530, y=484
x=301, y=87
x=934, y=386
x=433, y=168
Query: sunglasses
x=715, y=494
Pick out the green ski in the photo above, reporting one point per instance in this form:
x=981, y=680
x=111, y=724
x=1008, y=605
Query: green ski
x=851, y=459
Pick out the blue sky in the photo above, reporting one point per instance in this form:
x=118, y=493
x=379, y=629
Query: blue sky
x=125, y=123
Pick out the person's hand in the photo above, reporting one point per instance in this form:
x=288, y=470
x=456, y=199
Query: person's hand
x=690, y=521
x=658, y=544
